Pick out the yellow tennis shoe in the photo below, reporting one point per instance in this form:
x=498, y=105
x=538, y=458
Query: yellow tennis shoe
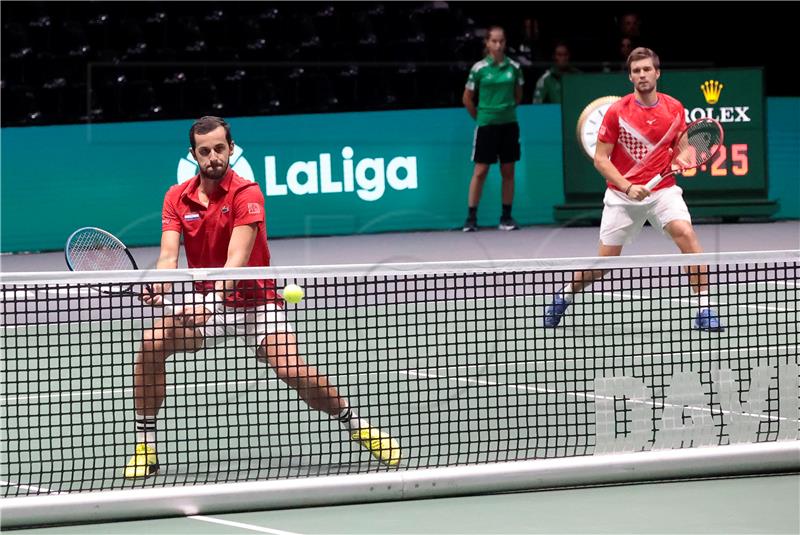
x=143, y=463
x=380, y=445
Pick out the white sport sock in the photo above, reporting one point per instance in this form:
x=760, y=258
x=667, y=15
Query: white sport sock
x=567, y=292
x=146, y=430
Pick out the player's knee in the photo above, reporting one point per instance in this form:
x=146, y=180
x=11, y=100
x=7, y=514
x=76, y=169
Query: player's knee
x=683, y=232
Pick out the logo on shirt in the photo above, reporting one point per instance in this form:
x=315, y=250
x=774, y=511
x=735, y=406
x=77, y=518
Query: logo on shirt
x=711, y=90
x=651, y=122
x=253, y=208
x=193, y=216
x=187, y=166
x=225, y=210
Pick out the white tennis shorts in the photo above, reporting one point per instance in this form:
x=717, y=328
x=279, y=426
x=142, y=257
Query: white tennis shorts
x=252, y=324
x=624, y=218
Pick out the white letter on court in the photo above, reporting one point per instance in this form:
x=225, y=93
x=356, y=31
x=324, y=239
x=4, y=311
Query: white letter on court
x=686, y=421
x=623, y=412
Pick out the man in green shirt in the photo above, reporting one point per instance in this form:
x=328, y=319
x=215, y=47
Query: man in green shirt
x=548, y=87
x=498, y=82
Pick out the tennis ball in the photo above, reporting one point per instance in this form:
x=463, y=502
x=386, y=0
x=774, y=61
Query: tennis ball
x=293, y=293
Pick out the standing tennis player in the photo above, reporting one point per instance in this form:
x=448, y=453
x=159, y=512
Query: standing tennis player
x=498, y=82
x=633, y=146
x=221, y=218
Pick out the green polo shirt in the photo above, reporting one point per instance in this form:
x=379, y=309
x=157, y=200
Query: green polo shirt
x=495, y=85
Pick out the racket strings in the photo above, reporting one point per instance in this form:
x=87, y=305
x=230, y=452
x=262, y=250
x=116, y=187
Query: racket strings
x=94, y=251
x=698, y=144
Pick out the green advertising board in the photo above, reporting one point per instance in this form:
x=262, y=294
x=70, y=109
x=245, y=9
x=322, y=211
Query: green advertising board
x=733, y=185
x=321, y=174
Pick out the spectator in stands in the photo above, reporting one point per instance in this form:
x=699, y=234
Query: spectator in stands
x=498, y=82
x=630, y=25
x=623, y=51
x=548, y=87
x=529, y=49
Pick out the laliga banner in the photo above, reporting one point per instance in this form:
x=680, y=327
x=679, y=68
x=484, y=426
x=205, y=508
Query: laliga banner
x=323, y=174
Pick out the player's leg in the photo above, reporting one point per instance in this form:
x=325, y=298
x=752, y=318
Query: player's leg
x=620, y=223
x=279, y=349
x=509, y=153
x=671, y=213
x=159, y=343
x=484, y=153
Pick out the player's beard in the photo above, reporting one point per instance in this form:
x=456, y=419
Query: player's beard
x=645, y=88
x=214, y=173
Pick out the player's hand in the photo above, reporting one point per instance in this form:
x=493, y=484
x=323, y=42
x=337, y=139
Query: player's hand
x=192, y=315
x=638, y=192
x=153, y=294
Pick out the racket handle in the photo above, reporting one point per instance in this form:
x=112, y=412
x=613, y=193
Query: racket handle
x=655, y=181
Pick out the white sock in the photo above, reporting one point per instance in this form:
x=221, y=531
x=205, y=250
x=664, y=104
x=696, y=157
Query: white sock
x=567, y=292
x=349, y=418
x=702, y=299
x=146, y=430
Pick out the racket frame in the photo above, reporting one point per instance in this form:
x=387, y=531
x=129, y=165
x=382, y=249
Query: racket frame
x=656, y=180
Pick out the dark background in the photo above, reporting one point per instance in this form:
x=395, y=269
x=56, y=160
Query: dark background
x=72, y=62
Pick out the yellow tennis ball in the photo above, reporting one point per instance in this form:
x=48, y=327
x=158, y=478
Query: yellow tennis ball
x=293, y=293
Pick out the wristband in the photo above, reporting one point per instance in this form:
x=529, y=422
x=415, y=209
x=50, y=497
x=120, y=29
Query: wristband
x=629, y=188
x=214, y=303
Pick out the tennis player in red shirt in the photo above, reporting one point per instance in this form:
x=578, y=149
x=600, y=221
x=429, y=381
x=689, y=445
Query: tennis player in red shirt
x=634, y=145
x=221, y=218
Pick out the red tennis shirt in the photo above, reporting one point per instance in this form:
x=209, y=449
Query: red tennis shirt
x=635, y=130
x=207, y=231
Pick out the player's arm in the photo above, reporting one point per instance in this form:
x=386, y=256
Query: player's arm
x=468, y=99
x=243, y=238
x=518, y=93
x=167, y=259
x=602, y=163
x=170, y=250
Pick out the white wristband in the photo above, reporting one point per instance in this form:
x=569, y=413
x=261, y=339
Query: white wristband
x=213, y=303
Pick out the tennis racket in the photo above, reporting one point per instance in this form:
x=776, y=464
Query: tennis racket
x=698, y=144
x=95, y=249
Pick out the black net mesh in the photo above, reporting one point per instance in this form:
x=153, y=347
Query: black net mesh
x=456, y=366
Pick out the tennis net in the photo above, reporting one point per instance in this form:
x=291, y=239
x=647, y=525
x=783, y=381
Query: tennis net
x=452, y=360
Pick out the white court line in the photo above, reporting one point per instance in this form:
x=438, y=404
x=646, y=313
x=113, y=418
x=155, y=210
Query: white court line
x=103, y=392
x=45, y=294
x=630, y=296
x=785, y=284
x=29, y=487
x=241, y=525
x=481, y=382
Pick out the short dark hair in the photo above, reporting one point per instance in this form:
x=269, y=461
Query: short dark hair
x=207, y=124
x=642, y=53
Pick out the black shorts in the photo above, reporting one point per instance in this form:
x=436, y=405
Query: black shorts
x=496, y=141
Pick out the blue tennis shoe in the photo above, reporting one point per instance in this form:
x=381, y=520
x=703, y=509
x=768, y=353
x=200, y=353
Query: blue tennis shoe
x=707, y=320
x=556, y=311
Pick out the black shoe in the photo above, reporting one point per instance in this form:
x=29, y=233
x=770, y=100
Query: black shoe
x=507, y=223
x=470, y=225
